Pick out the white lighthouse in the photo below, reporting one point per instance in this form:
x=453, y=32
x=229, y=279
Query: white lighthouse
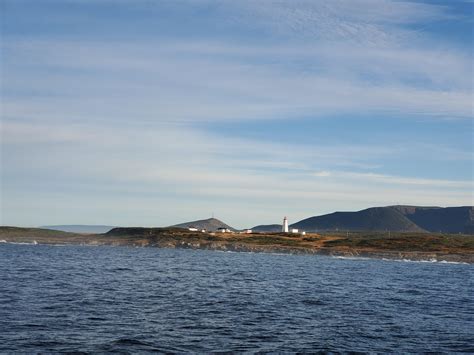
x=284, y=228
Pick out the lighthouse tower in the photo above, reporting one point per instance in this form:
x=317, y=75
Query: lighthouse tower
x=284, y=228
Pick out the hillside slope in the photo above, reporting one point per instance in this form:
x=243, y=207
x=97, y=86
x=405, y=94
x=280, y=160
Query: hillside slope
x=210, y=224
x=19, y=232
x=269, y=228
x=371, y=219
x=439, y=219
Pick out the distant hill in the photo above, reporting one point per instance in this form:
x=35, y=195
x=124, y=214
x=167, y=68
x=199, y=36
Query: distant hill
x=210, y=224
x=371, y=219
x=439, y=219
x=20, y=232
x=79, y=228
x=267, y=228
x=397, y=218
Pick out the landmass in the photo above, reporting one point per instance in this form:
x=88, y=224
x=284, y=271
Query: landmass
x=80, y=228
x=396, y=219
x=410, y=246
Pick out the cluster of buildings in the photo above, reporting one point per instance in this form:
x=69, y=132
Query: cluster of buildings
x=284, y=229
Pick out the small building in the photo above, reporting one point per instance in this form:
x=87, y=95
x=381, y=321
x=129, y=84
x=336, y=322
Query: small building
x=192, y=229
x=248, y=231
x=294, y=230
x=223, y=230
x=303, y=233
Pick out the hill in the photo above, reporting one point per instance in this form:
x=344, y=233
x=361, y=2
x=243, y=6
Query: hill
x=79, y=228
x=439, y=219
x=210, y=224
x=371, y=219
x=19, y=232
x=269, y=228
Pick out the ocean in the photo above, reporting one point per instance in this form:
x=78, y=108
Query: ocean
x=122, y=299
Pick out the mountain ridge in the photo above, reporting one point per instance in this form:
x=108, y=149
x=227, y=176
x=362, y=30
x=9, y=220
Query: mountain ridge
x=395, y=218
x=370, y=219
x=440, y=219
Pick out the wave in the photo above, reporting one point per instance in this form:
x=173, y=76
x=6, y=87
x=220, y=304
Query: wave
x=18, y=243
x=351, y=257
x=453, y=262
x=34, y=242
x=430, y=261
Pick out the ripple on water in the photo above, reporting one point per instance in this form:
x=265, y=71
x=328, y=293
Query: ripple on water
x=107, y=299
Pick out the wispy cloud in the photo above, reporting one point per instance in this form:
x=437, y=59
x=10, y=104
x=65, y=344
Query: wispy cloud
x=188, y=83
x=372, y=22
x=395, y=180
x=125, y=117
x=182, y=164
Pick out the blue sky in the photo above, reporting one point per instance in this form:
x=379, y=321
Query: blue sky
x=152, y=112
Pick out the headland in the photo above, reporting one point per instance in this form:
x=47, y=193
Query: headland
x=408, y=246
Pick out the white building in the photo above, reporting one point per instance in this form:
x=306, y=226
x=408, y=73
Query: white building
x=192, y=229
x=284, y=228
x=294, y=230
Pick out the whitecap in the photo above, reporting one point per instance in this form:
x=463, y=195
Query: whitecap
x=17, y=243
x=351, y=257
x=431, y=261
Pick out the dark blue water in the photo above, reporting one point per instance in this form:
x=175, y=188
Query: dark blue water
x=100, y=299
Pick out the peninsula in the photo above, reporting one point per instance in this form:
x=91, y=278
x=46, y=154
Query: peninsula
x=410, y=246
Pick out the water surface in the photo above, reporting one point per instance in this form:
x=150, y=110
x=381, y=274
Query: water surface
x=90, y=299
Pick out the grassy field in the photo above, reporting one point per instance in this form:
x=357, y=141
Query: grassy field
x=406, y=241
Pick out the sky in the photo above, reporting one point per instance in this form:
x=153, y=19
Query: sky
x=152, y=113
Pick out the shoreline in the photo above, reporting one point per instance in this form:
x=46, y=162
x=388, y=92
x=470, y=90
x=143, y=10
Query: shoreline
x=449, y=249
x=353, y=254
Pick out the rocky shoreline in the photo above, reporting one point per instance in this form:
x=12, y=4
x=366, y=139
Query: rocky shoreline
x=335, y=246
